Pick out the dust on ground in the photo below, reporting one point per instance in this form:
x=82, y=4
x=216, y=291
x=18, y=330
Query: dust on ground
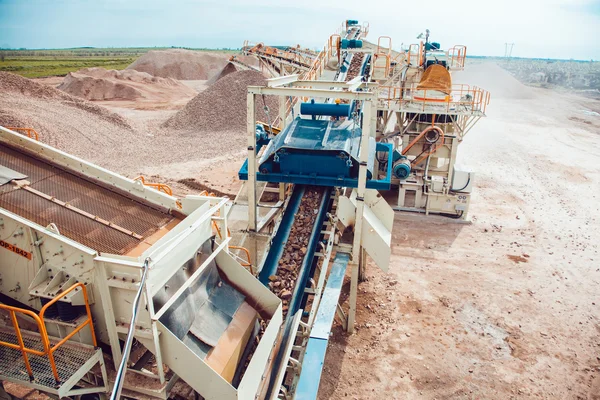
x=509, y=306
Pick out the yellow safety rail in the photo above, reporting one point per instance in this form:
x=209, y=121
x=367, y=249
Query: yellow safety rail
x=39, y=319
x=414, y=54
x=161, y=187
x=457, y=56
x=382, y=53
x=261, y=50
x=462, y=98
x=30, y=132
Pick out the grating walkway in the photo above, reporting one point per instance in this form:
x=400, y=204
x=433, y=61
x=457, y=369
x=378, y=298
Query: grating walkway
x=69, y=358
x=83, y=194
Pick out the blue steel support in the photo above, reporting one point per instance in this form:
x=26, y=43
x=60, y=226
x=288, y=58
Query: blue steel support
x=312, y=365
x=379, y=184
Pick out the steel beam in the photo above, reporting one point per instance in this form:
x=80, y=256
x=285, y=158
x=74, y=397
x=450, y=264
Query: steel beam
x=304, y=92
x=251, y=188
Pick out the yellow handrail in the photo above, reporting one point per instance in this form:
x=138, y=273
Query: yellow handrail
x=247, y=252
x=161, y=187
x=21, y=346
x=39, y=319
x=30, y=132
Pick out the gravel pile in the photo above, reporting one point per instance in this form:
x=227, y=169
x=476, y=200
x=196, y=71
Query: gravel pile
x=184, y=64
x=95, y=134
x=16, y=84
x=222, y=107
x=101, y=84
x=284, y=282
x=180, y=64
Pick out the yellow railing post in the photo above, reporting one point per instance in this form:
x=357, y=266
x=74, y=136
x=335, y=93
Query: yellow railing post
x=39, y=319
x=15, y=323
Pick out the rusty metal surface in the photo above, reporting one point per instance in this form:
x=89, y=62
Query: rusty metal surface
x=83, y=194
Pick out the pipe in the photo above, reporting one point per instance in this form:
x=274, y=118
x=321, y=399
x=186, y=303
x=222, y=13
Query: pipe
x=118, y=387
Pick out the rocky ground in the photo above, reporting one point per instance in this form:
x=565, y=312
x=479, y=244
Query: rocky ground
x=582, y=77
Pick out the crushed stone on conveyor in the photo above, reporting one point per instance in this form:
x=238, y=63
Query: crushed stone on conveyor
x=284, y=282
x=355, y=65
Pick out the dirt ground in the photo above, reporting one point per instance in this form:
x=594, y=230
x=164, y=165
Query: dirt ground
x=507, y=307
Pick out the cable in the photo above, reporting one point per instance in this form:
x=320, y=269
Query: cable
x=453, y=216
x=464, y=187
x=266, y=109
x=116, y=394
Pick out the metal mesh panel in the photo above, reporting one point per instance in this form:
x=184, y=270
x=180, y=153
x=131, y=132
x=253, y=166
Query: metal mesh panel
x=80, y=193
x=69, y=358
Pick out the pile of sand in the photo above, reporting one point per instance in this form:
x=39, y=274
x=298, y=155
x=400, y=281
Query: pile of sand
x=222, y=107
x=101, y=84
x=182, y=64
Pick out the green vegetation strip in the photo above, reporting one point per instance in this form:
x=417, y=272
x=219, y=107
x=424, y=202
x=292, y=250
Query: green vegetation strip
x=43, y=63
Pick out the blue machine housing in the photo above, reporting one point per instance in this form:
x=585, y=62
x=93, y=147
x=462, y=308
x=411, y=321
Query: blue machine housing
x=352, y=44
x=319, y=152
x=316, y=147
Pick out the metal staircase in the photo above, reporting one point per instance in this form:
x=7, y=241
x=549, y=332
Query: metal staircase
x=59, y=366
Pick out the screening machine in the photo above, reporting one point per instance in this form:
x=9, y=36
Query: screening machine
x=81, y=245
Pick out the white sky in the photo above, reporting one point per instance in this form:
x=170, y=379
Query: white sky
x=548, y=29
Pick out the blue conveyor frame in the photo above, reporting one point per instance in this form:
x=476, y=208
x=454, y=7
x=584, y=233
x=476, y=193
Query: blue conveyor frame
x=314, y=357
x=321, y=180
x=307, y=267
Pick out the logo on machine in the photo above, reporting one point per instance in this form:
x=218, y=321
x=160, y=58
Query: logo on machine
x=15, y=249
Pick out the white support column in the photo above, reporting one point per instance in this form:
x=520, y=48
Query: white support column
x=109, y=315
x=155, y=339
x=251, y=187
x=453, y=151
x=369, y=124
x=282, y=109
x=282, y=125
x=362, y=265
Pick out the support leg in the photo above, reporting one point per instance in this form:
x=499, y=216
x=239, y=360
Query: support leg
x=362, y=266
x=251, y=187
x=353, y=295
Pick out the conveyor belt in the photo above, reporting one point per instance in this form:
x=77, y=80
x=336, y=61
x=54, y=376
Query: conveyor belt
x=291, y=260
x=83, y=194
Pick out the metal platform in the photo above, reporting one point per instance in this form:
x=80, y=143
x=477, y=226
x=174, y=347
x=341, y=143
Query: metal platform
x=93, y=198
x=73, y=361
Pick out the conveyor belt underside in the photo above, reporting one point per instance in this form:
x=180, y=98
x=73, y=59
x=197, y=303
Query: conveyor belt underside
x=85, y=195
